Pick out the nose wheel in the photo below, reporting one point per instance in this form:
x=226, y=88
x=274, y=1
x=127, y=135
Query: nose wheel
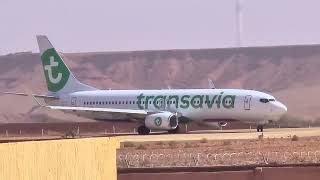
x=259, y=128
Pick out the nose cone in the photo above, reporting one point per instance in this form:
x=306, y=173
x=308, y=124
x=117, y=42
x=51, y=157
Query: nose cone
x=279, y=109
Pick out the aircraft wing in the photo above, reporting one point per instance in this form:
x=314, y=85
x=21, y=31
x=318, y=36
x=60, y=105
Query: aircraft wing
x=131, y=113
x=111, y=110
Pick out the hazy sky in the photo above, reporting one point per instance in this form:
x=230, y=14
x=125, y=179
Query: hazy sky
x=114, y=25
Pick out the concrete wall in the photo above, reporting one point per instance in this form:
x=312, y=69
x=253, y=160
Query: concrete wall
x=278, y=173
x=93, y=158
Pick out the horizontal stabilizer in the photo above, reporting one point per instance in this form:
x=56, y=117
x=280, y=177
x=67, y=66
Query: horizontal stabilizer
x=34, y=95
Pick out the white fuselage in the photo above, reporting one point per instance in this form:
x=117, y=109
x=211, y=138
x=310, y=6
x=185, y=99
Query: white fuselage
x=201, y=105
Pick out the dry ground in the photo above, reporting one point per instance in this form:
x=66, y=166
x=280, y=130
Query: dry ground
x=223, y=149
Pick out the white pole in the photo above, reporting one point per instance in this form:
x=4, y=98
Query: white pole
x=239, y=8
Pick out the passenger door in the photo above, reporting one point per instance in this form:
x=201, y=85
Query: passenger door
x=247, y=102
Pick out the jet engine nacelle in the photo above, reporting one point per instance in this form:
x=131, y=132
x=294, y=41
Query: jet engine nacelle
x=161, y=121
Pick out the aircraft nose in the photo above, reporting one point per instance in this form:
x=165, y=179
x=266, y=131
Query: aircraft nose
x=280, y=109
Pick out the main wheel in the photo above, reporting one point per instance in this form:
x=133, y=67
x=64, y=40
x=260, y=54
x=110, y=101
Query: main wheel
x=174, y=131
x=259, y=128
x=143, y=130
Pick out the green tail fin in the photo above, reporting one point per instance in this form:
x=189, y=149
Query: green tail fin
x=59, y=78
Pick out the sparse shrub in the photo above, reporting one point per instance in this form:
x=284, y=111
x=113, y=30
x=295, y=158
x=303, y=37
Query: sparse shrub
x=226, y=143
x=203, y=140
x=141, y=147
x=172, y=144
x=188, y=145
x=159, y=143
x=128, y=144
x=294, y=138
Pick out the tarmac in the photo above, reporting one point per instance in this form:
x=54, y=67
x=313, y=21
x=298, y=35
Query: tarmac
x=224, y=135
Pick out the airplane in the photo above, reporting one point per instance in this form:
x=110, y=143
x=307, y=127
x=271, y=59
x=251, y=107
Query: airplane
x=164, y=109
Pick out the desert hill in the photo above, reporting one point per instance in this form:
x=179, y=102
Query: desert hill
x=291, y=73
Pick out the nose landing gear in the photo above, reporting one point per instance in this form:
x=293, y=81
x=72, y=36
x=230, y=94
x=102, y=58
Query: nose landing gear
x=260, y=128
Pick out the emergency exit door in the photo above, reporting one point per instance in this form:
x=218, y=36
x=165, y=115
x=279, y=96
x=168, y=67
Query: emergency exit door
x=247, y=102
x=73, y=101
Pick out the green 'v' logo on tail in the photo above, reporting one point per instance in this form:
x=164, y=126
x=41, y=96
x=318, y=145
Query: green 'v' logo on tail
x=56, y=72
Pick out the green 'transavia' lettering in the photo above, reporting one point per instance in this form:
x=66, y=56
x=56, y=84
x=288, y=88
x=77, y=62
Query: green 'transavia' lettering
x=220, y=100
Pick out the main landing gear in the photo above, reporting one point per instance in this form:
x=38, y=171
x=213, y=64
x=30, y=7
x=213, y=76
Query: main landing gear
x=174, y=131
x=260, y=128
x=143, y=130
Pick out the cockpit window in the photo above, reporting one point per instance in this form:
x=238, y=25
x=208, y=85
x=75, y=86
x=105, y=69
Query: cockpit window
x=264, y=100
x=272, y=100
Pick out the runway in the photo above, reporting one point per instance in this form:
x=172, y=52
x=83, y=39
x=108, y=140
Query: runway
x=225, y=134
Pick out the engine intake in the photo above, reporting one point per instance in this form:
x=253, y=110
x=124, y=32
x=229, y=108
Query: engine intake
x=161, y=121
